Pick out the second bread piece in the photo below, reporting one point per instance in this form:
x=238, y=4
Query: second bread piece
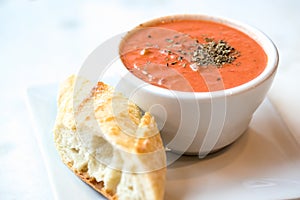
x=108, y=143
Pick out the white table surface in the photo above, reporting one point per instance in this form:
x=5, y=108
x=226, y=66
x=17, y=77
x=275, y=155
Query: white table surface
x=45, y=41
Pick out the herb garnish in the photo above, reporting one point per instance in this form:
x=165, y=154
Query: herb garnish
x=214, y=53
x=201, y=54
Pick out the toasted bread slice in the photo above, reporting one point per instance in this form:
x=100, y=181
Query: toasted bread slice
x=108, y=142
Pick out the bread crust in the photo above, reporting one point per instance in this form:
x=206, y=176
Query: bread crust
x=92, y=182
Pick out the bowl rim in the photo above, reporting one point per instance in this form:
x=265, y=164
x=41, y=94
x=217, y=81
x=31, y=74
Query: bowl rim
x=260, y=37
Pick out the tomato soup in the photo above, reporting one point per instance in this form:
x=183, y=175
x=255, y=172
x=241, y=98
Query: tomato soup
x=187, y=54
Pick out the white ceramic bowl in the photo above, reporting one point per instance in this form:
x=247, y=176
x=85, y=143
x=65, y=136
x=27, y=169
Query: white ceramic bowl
x=202, y=122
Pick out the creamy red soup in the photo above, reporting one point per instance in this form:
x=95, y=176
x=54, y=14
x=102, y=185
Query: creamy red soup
x=191, y=55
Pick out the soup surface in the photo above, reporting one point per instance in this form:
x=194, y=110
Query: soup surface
x=191, y=55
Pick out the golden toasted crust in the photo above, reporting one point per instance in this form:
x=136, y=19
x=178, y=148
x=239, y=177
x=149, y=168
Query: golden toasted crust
x=106, y=141
x=98, y=186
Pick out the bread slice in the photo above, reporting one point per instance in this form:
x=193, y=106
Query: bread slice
x=108, y=142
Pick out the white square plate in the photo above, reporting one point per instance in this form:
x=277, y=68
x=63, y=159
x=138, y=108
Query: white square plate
x=263, y=164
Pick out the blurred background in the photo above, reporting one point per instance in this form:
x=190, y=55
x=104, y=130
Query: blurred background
x=45, y=41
